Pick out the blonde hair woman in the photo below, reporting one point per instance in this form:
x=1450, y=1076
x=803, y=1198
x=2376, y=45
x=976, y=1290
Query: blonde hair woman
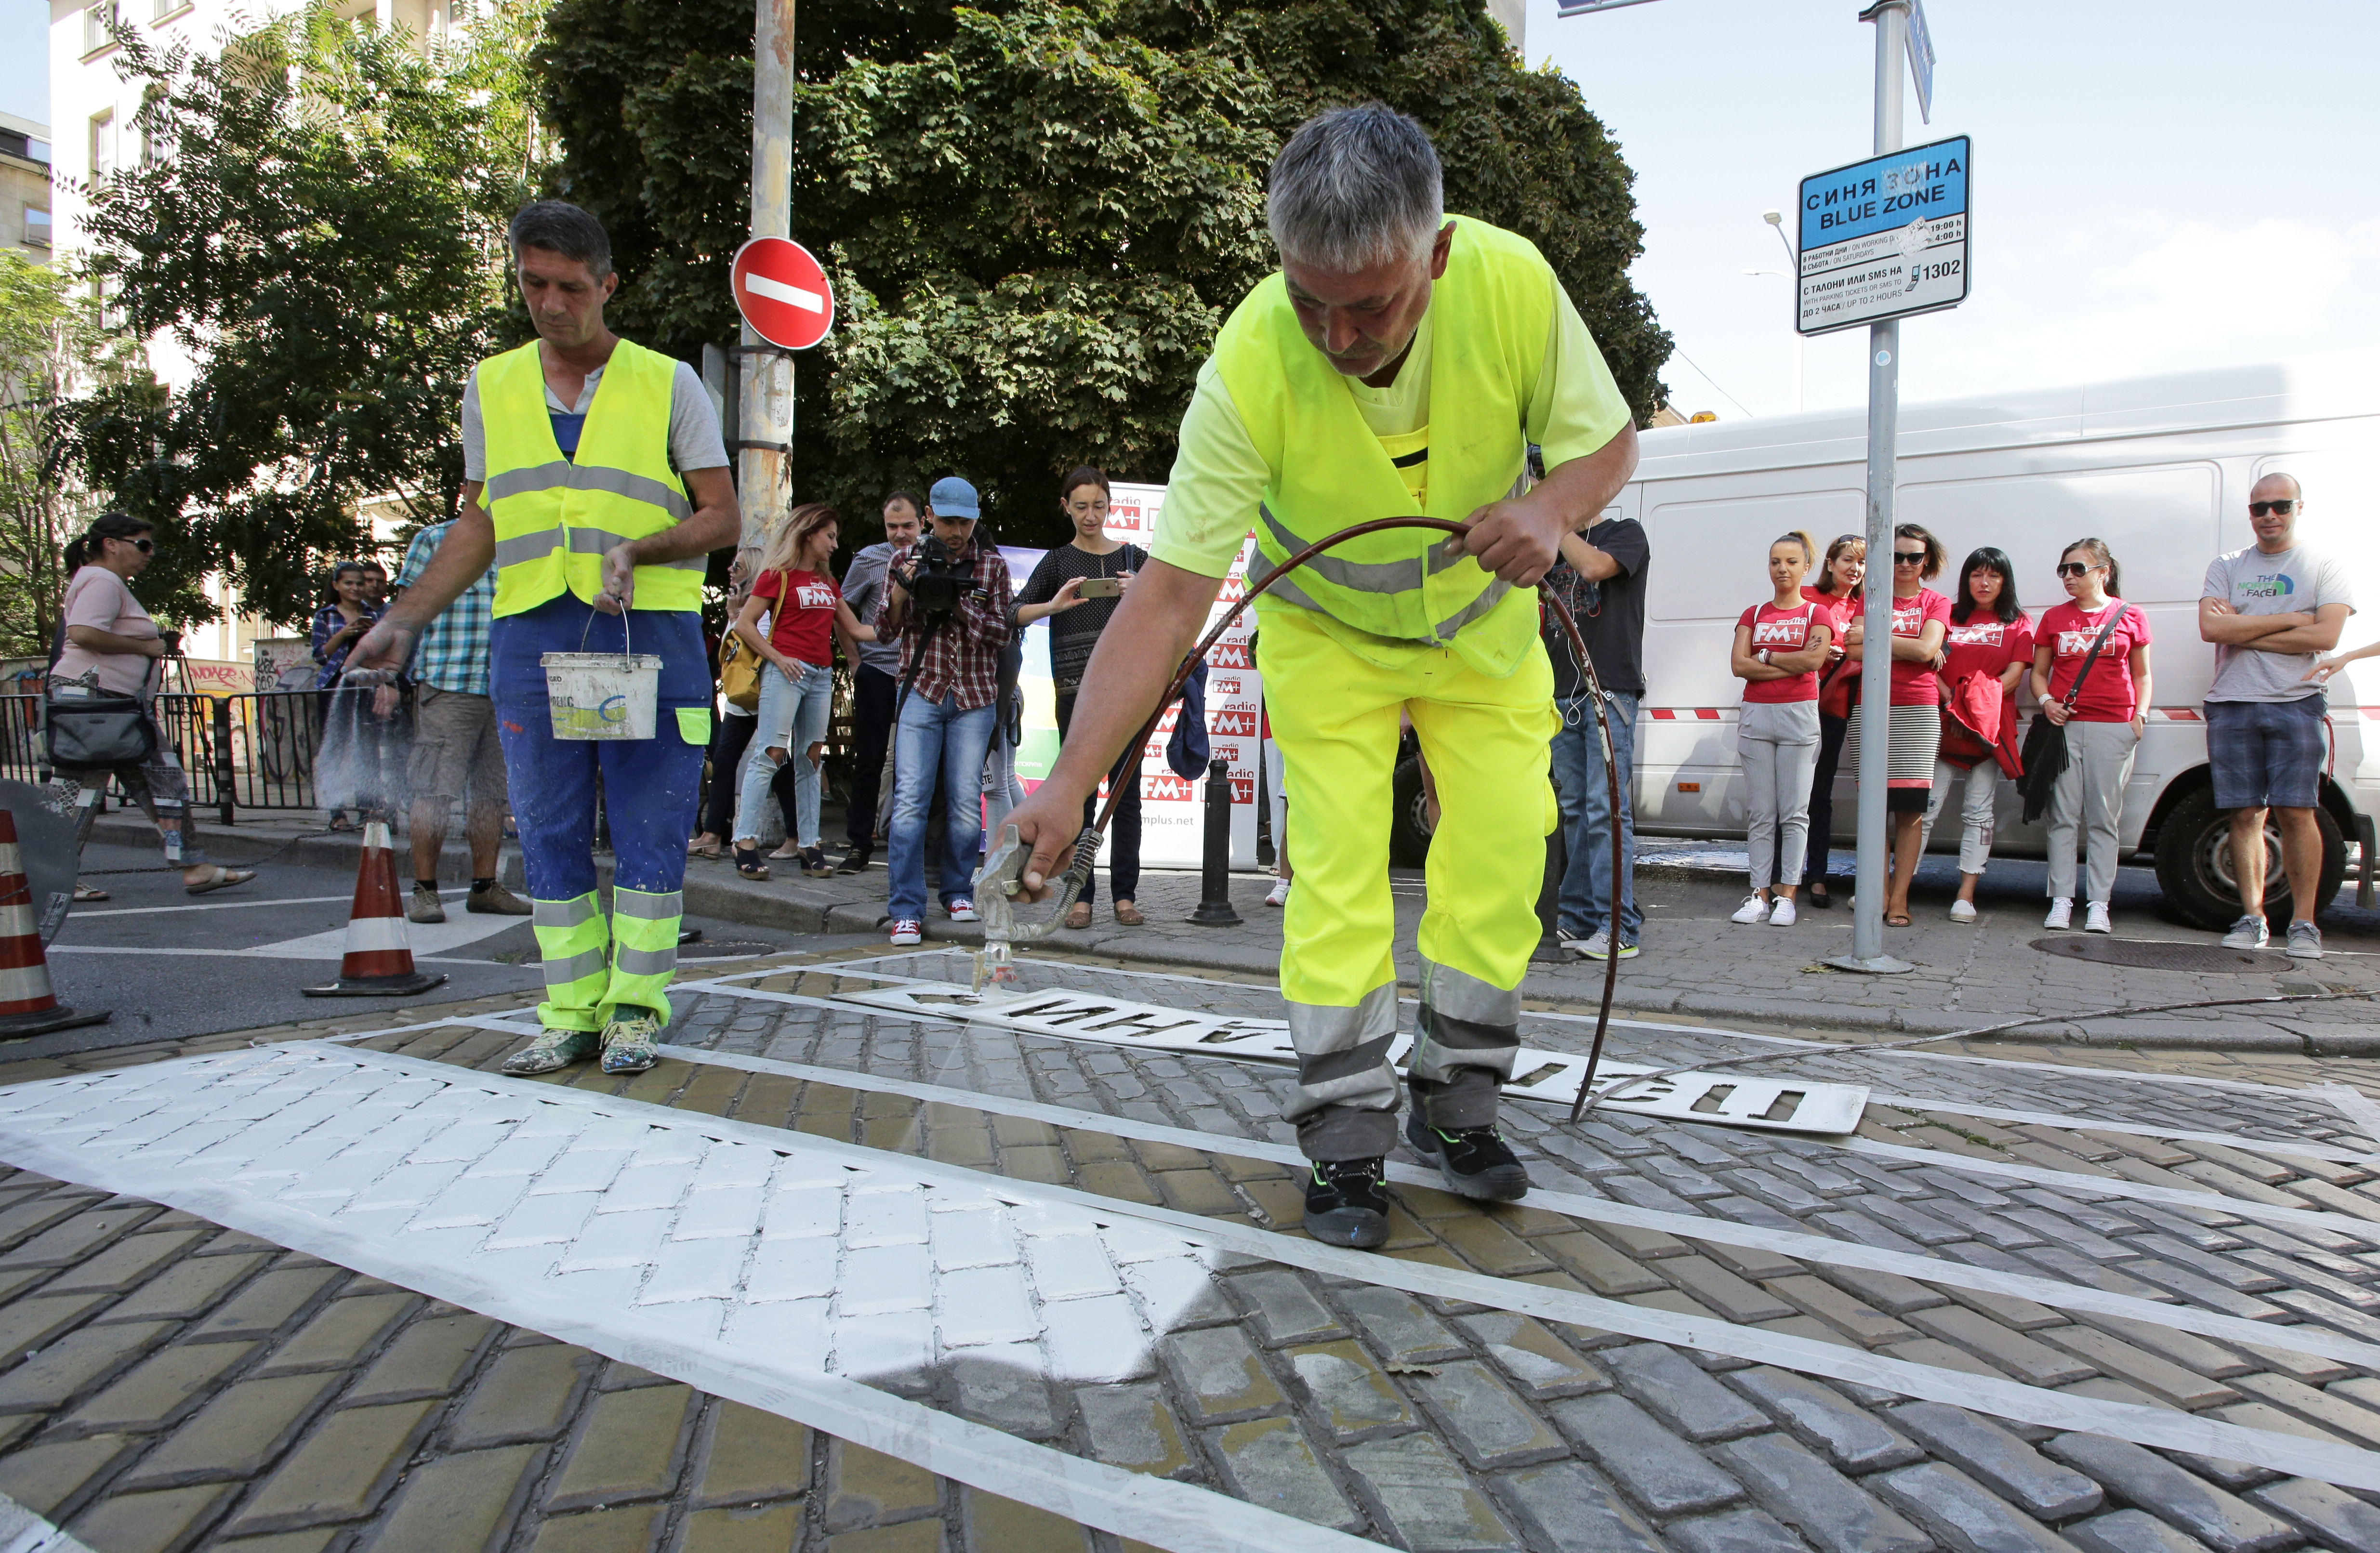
x=1780, y=646
x=797, y=588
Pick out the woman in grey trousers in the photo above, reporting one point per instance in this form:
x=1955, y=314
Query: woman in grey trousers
x=2102, y=712
x=1780, y=646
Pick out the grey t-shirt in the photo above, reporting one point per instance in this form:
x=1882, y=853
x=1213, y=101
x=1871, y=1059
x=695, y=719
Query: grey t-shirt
x=695, y=441
x=2297, y=580
x=863, y=589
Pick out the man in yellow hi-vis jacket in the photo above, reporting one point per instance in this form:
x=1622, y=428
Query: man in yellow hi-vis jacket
x=595, y=482
x=1400, y=362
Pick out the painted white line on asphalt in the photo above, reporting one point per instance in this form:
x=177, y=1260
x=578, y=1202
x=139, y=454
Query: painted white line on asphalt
x=2356, y=1106
x=2363, y=1230
x=664, y=1336
x=2133, y=1130
x=79, y=914
x=1822, y=1249
x=463, y=927
x=1848, y=1048
x=21, y=1531
x=335, y=953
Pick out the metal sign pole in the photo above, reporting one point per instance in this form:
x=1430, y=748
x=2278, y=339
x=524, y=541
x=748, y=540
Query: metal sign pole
x=764, y=431
x=1891, y=18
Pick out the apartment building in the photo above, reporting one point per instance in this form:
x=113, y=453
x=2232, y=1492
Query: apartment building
x=25, y=187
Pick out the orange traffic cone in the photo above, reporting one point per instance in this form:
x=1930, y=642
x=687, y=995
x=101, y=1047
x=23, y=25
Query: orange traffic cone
x=29, y=1005
x=379, y=960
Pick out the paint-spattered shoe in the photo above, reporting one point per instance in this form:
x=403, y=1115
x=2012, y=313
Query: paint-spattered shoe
x=551, y=1052
x=628, y=1045
x=1347, y=1202
x=1475, y=1161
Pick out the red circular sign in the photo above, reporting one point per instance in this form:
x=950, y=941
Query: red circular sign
x=783, y=293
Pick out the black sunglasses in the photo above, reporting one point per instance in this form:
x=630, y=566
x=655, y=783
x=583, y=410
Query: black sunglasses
x=144, y=546
x=1909, y=557
x=2284, y=507
x=2075, y=568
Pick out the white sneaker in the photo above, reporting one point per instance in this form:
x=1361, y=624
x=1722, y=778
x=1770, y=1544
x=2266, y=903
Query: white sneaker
x=1754, y=909
x=1782, y=913
x=1279, y=895
x=1598, y=946
x=1962, y=910
x=2249, y=932
x=906, y=930
x=963, y=910
x=2061, y=914
x=2094, y=920
x=2305, y=941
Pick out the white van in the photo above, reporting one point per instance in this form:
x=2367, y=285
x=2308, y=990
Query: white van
x=2159, y=468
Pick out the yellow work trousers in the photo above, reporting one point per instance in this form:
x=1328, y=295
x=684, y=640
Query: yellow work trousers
x=1335, y=716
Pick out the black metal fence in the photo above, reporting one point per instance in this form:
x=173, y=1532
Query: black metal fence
x=242, y=752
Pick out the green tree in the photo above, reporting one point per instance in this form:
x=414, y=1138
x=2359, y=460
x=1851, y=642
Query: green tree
x=318, y=224
x=52, y=348
x=1038, y=214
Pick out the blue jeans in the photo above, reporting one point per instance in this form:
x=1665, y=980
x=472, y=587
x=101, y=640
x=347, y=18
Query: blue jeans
x=934, y=735
x=792, y=716
x=1585, y=898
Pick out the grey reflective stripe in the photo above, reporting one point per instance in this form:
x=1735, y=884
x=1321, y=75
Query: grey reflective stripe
x=1316, y=1029
x=528, y=547
x=1313, y=1073
x=644, y=962
x=564, y=475
x=1489, y=597
x=598, y=542
x=646, y=907
x=562, y=913
x=1465, y=997
x=563, y=973
x=581, y=541
x=1363, y=577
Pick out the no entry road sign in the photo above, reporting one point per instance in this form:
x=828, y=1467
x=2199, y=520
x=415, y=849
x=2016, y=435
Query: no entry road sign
x=783, y=293
x=1884, y=238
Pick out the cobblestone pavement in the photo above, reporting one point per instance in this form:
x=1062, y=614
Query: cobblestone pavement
x=2107, y=1257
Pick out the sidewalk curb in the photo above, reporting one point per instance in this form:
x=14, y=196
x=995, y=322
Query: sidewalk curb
x=229, y=845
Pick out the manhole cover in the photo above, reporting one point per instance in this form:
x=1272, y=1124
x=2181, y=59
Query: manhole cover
x=723, y=949
x=2148, y=956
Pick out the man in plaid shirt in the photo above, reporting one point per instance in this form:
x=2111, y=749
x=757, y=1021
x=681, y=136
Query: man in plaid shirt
x=455, y=746
x=949, y=673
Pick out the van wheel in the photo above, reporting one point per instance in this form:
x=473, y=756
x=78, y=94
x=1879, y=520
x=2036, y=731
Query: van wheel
x=2193, y=865
x=1409, y=825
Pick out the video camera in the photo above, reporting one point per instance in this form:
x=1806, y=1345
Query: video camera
x=938, y=578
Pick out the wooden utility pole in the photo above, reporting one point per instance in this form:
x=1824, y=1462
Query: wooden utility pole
x=764, y=430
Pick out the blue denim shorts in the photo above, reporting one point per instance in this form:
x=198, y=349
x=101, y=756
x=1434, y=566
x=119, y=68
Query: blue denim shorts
x=2266, y=754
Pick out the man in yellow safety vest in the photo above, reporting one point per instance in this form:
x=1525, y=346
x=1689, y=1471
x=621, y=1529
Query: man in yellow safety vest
x=1402, y=361
x=595, y=480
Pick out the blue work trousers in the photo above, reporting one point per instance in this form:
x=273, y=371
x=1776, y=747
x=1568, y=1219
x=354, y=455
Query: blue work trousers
x=930, y=736
x=1585, y=900
x=650, y=787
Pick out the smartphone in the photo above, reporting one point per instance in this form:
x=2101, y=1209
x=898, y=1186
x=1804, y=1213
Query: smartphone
x=1100, y=588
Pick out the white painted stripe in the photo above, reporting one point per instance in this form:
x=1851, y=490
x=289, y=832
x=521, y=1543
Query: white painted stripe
x=2157, y=1427
x=1822, y=1249
x=2116, y=1186
x=2356, y=1106
x=2133, y=1130
x=778, y=291
x=1853, y=1049
x=331, y=953
x=21, y=1531
x=376, y=835
x=376, y=935
x=1179, y=1517
x=18, y=921
x=210, y=905
x=24, y=981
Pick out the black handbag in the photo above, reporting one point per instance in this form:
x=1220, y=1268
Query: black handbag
x=98, y=732
x=2045, y=742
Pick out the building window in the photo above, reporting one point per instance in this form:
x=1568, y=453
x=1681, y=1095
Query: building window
x=103, y=144
x=98, y=25
x=37, y=227
x=168, y=8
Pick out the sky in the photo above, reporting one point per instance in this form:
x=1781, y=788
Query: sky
x=25, y=59
x=2156, y=187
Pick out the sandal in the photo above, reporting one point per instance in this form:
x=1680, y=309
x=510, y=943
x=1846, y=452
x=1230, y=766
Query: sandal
x=90, y=893
x=224, y=879
x=700, y=848
x=749, y=864
x=341, y=824
x=1128, y=914
x=1897, y=919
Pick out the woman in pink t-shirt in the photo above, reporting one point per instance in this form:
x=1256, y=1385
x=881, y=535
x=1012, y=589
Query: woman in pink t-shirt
x=1780, y=646
x=1921, y=619
x=1838, y=589
x=1989, y=635
x=2103, y=717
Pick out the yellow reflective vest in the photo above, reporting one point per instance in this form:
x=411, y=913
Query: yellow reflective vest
x=555, y=517
x=1491, y=315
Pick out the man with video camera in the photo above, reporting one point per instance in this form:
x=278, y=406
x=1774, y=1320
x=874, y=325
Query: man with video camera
x=946, y=601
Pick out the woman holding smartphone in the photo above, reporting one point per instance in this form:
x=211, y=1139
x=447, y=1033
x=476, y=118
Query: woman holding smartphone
x=1838, y=589
x=2103, y=715
x=1078, y=586
x=1989, y=635
x=1780, y=646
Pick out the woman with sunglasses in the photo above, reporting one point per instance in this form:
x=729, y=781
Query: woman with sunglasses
x=1989, y=635
x=1921, y=619
x=2103, y=724
x=1779, y=647
x=109, y=646
x=1838, y=589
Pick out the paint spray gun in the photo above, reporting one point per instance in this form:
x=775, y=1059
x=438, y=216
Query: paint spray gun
x=995, y=886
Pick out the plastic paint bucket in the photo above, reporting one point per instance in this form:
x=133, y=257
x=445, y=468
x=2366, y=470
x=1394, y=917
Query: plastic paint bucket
x=602, y=694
